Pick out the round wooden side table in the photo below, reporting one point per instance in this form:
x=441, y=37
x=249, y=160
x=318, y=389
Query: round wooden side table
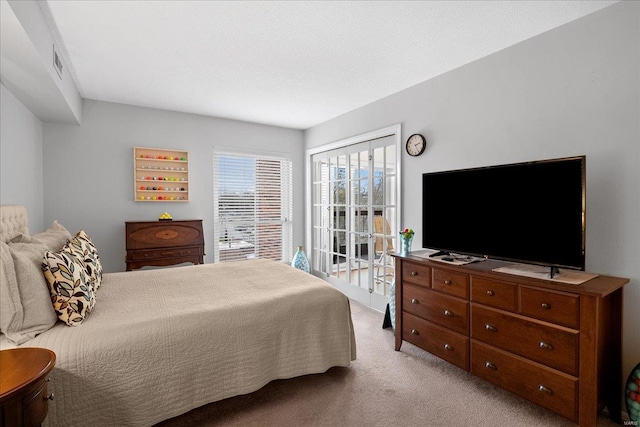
x=24, y=398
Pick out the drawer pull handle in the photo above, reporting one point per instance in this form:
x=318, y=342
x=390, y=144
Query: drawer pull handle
x=546, y=306
x=414, y=301
x=490, y=366
x=448, y=313
x=414, y=273
x=546, y=345
x=415, y=332
x=49, y=397
x=448, y=347
x=48, y=380
x=490, y=327
x=447, y=282
x=490, y=293
x=545, y=389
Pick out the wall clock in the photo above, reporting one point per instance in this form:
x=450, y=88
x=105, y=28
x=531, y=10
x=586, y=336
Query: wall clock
x=416, y=144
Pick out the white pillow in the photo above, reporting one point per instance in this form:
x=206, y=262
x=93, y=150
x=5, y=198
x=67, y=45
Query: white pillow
x=55, y=237
x=38, y=314
x=10, y=306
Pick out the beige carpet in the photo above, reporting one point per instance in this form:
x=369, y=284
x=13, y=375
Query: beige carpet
x=381, y=388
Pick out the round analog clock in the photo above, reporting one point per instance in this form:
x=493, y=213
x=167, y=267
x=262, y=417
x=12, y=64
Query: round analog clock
x=416, y=144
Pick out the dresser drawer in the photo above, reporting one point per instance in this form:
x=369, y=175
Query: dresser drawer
x=450, y=282
x=546, y=387
x=495, y=294
x=163, y=253
x=556, y=347
x=417, y=274
x=556, y=307
x=450, y=346
x=446, y=311
x=159, y=234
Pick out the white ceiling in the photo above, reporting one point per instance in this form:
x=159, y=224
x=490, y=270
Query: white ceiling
x=291, y=63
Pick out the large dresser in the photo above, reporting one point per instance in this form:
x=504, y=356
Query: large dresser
x=162, y=243
x=558, y=345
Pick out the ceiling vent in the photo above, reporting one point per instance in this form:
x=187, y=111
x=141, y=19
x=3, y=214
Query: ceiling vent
x=57, y=63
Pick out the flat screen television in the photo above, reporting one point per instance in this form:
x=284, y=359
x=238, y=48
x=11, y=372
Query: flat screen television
x=533, y=213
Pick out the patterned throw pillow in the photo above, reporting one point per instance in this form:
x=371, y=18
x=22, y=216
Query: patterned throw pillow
x=84, y=249
x=72, y=292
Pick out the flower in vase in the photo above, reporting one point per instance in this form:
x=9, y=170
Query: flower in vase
x=407, y=233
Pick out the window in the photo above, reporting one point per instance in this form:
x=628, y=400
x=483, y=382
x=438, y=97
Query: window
x=253, y=205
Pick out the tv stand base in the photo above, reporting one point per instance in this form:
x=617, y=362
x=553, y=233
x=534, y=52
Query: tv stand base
x=439, y=253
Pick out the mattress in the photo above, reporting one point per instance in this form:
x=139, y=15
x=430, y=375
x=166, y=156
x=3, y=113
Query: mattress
x=162, y=342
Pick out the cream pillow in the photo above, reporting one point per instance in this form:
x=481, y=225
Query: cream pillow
x=37, y=314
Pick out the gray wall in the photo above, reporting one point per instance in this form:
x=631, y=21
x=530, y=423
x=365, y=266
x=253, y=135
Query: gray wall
x=88, y=169
x=571, y=91
x=21, y=180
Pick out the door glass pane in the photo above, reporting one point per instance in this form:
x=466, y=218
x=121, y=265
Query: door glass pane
x=390, y=215
x=358, y=219
x=379, y=171
x=335, y=219
x=317, y=238
x=354, y=189
x=390, y=190
x=363, y=191
x=333, y=255
x=378, y=190
x=363, y=175
x=341, y=242
x=390, y=156
x=341, y=271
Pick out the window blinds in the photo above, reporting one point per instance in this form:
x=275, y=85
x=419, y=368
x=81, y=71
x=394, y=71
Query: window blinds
x=253, y=205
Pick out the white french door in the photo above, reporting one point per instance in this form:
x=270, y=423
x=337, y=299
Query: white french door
x=354, y=217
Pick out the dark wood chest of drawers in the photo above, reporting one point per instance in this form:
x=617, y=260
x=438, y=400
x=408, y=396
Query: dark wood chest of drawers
x=555, y=344
x=162, y=243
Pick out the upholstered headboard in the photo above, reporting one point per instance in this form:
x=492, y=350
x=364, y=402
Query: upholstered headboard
x=13, y=221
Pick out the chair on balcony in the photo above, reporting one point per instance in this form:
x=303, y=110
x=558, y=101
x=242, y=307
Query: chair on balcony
x=383, y=246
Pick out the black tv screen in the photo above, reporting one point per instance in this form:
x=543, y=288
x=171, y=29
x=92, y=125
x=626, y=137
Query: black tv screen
x=527, y=212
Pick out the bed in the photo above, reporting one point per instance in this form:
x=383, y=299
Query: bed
x=159, y=343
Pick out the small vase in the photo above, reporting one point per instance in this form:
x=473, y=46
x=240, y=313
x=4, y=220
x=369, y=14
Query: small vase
x=632, y=395
x=300, y=260
x=405, y=245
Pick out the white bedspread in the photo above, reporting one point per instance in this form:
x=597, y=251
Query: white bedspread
x=162, y=342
